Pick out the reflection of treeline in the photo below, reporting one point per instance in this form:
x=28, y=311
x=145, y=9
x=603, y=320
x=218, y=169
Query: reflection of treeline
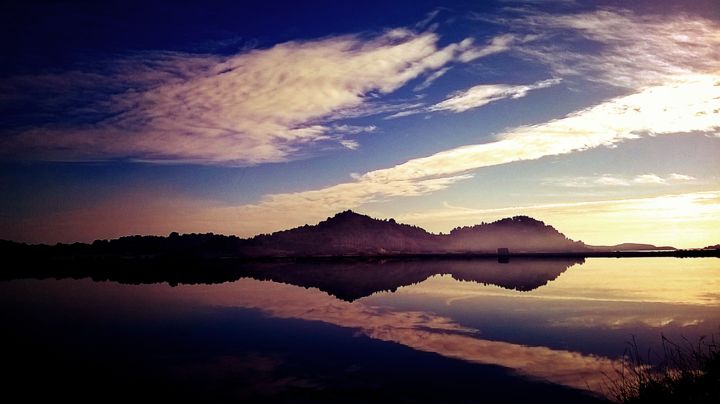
x=686, y=372
x=125, y=270
x=346, y=278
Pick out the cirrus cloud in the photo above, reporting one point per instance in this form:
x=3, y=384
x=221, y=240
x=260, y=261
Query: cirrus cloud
x=260, y=106
x=478, y=96
x=483, y=94
x=609, y=180
x=635, y=51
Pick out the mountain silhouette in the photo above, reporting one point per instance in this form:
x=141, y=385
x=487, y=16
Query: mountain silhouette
x=519, y=233
x=630, y=247
x=345, y=234
x=350, y=233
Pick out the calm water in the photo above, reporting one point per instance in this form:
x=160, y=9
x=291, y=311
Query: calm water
x=451, y=331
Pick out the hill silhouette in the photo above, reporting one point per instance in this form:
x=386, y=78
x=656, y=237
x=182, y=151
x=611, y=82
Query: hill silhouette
x=519, y=233
x=350, y=233
x=631, y=247
x=345, y=234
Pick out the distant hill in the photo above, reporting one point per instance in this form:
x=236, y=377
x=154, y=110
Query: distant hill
x=712, y=247
x=630, y=247
x=519, y=234
x=350, y=233
x=345, y=234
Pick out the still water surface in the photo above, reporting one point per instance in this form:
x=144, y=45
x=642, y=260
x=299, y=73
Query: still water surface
x=541, y=330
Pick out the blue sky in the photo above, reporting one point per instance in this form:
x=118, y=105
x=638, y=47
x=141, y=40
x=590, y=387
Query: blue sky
x=601, y=118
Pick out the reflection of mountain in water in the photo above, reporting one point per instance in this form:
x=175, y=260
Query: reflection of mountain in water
x=347, y=280
x=354, y=281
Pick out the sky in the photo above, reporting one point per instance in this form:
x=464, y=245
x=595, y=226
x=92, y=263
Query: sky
x=601, y=118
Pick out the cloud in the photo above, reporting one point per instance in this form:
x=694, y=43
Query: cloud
x=476, y=97
x=480, y=95
x=619, y=47
x=649, y=179
x=350, y=144
x=353, y=129
x=680, y=177
x=606, y=180
x=689, y=106
x=429, y=17
x=260, y=106
x=500, y=43
x=407, y=112
x=431, y=79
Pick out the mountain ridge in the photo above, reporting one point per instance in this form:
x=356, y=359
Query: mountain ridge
x=346, y=233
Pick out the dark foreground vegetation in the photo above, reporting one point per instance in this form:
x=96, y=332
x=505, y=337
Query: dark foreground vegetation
x=686, y=372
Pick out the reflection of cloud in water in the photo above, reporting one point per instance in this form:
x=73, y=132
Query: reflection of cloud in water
x=617, y=322
x=415, y=329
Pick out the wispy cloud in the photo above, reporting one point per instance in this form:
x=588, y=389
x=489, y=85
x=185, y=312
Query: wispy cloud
x=692, y=105
x=260, y=106
x=609, y=180
x=431, y=79
x=680, y=177
x=634, y=51
x=480, y=95
x=649, y=179
x=500, y=43
x=476, y=97
x=429, y=17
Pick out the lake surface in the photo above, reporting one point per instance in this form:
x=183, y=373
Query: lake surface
x=401, y=331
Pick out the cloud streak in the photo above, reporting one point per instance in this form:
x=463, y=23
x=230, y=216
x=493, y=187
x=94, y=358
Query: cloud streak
x=635, y=51
x=608, y=180
x=261, y=106
x=480, y=95
x=477, y=96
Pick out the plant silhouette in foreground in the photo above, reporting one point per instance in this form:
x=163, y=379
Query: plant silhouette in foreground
x=686, y=372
